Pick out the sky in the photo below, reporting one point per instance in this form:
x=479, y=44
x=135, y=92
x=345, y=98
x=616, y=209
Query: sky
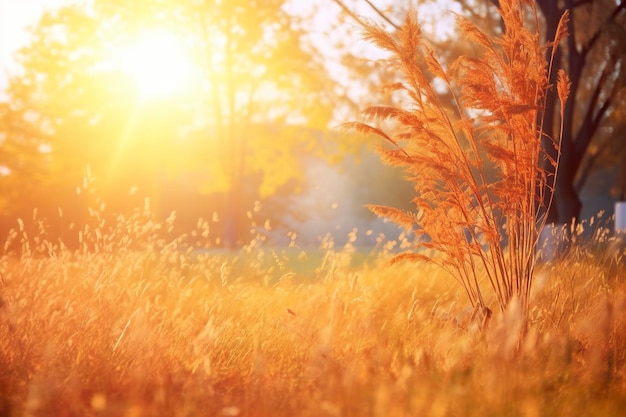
x=15, y=17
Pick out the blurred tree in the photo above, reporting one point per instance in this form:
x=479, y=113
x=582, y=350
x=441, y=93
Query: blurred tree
x=21, y=156
x=78, y=110
x=365, y=75
x=595, y=57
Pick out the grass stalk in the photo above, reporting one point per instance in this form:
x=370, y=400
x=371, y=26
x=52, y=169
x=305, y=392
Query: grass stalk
x=478, y=167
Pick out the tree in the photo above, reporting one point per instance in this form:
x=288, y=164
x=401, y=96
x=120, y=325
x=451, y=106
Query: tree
x=594, y=56
x=253, y=83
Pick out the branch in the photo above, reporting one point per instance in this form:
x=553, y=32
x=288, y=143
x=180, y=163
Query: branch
x=580, y=182
x=596, y=36
x=351, y=13
x=592, y=121
x=381, y=14
x=590, y=162
x=600, y=114
x=359, y=20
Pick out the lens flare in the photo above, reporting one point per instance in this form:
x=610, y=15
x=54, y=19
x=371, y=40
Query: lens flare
x=157, y=63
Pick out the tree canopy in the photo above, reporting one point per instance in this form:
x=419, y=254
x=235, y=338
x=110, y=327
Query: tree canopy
x=216, y=102
x=594, y=57
x=97, y=106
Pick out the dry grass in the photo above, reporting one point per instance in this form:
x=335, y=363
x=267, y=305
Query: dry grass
x=133, y=323
x=482, y=178
x=159, y=331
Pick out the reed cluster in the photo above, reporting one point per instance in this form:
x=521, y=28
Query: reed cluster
x=483, y=181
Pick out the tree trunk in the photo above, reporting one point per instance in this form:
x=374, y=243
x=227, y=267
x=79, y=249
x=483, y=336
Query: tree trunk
x=566, y=205
x=574, y=57
x=231, y=217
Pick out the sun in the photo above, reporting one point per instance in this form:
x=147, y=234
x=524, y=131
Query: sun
x=157, y=62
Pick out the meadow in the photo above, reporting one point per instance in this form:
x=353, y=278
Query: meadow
x=131, y=321
x=161, y=329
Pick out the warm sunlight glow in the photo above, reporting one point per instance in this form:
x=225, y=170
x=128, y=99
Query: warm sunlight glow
x=158, y=63
x=437, y=19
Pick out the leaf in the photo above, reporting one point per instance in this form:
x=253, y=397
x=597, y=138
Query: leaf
x=410, y=34
x=470, y=31
x=561, y=30
x=433, y=64
x=411, y=257
x=382, y=112
x=379, y=37
x=498, y=153
x=563, y=86
x=395, y=157
x=387, y=112
x=367, y=129
x=400, y=217
x=389, y=88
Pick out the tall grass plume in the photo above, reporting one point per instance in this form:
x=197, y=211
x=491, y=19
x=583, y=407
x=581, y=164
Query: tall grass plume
x=483, y=182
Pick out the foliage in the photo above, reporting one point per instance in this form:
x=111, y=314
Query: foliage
x=594, y=57
x=477, y=168
x=153, y=329
x=252, y=84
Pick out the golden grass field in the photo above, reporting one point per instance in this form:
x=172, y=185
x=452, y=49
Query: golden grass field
x=133, y=322
x=162, y=331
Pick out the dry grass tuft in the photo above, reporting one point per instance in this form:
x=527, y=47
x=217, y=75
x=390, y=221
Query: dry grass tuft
x=477, y=166
x=162, y=331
